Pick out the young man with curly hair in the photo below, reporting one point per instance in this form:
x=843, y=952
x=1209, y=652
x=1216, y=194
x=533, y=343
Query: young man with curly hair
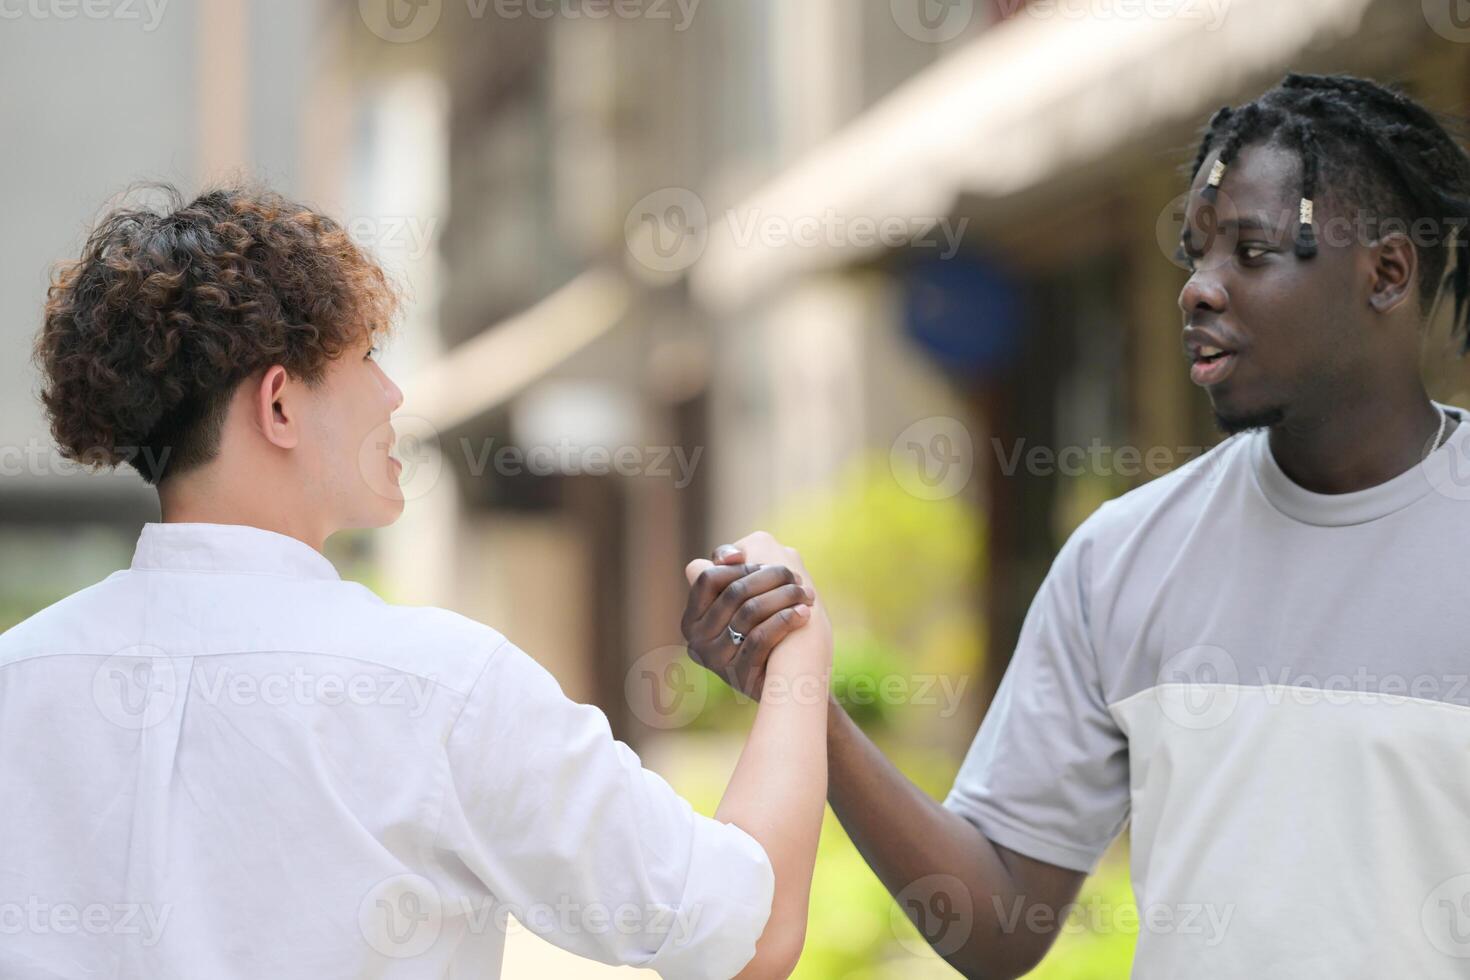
x=226, y=761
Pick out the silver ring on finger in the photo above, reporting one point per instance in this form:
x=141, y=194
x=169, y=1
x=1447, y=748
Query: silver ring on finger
x=736, y=637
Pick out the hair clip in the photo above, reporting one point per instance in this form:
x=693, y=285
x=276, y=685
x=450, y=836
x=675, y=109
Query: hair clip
x=1212, y=187
x=1306, y=237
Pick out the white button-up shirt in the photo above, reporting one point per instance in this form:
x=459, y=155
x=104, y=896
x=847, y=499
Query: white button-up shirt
x=226, y=761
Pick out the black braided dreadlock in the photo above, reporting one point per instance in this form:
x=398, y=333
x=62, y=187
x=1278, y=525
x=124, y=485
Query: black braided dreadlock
x=1367, y=147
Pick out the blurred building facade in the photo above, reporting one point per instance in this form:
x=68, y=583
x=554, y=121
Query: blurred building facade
x=565, y=134
x=683, y=263
x=682, y=213
x=671, y=271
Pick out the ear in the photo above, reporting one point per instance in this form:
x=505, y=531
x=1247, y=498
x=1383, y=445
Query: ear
x=274, y=405
x=1394, y=270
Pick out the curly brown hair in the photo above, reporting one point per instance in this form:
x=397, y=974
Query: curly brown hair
x=148, y=334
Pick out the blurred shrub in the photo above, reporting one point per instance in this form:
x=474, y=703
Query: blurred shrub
x=901, y=580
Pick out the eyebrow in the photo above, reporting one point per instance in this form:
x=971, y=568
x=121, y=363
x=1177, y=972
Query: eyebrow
x=1239, y=224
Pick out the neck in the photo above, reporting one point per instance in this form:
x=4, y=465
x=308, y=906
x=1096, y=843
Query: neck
x=1358, y=445
x=198, y=499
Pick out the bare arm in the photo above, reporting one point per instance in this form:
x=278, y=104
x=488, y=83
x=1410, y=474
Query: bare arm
x=778, y=791
x=937, y=860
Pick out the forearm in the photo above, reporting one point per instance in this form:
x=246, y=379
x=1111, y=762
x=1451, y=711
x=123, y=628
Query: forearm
x=905, y=836
x=779, y=789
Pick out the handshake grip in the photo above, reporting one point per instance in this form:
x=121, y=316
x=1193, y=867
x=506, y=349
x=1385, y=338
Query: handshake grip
x=744, y=603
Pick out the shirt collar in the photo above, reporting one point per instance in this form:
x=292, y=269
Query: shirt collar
x=1440, y=470
x=241, y=548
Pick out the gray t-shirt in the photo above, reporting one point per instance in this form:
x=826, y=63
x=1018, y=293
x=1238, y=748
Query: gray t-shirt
x=1271, y=684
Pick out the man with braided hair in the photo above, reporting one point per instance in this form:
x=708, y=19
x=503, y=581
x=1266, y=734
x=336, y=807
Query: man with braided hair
x=1259, y=658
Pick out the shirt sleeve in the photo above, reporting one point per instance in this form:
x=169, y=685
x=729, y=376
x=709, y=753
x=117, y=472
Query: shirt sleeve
x=587, y=848
x=1047, y=774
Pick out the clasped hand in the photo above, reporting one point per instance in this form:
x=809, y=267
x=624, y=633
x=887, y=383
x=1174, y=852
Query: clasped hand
x=745, y=601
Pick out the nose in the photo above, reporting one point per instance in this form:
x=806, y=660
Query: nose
x=1202, y=292
x=395, y=394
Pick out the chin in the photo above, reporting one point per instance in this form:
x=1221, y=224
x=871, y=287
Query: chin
x=380, y=511
x=391, y=510
x=1231, y=420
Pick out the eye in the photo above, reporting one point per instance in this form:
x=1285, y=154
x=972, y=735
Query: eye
x=371, y=351
x=1259, y=249
x=1183, y=258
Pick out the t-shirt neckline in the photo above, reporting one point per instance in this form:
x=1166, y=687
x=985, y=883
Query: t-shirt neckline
x=1370, y=503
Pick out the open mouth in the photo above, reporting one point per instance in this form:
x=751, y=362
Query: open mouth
x=1211, y=366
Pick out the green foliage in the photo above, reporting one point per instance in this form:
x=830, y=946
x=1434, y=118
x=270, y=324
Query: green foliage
x=900, y=577
x=884, y=559
x=860, y=665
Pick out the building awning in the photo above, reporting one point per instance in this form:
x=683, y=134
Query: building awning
x=499, y=363
x=1058, y=85
x=1061, y=85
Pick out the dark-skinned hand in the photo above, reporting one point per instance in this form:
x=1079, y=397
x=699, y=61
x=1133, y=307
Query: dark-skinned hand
x=765, y=602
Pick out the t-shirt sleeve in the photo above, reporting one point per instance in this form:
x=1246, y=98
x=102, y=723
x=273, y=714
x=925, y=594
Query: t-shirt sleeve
x=1047, y=774
x=590, y=850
